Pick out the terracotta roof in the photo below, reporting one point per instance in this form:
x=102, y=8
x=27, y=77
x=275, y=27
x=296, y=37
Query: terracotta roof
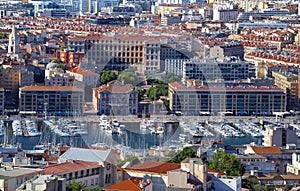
x=216, y=172
x=71, y=166
x=154, y=167
x=115, y=89
x=266, y=150
x=83, y=71
x=50, y=88
x=132, y=184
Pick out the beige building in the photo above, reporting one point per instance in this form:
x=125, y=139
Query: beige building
x=44, y=183
x=9, y=79
x=289, y=83
x=13, y=177
x=87, y=77
x=57, y=100
x=119, y=99
x=280, y=136
x=86, y=173
x=294, y=167
x=239, y=100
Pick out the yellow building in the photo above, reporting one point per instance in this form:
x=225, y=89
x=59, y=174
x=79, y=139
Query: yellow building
x=289, y=83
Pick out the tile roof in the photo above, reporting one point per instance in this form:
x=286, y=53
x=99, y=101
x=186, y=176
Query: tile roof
x=216, y=172
x=83, y=71
x=115, y=89
x=154, y=167
x=50, y=88
x=266, y=150
x=132, y=184
x=69, y=166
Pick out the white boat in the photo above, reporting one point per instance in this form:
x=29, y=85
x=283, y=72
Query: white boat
x=183, y=137
x=17, y=128
x=31, y=129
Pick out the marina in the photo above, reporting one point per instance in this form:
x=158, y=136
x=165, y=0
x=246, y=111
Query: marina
x=135, y=134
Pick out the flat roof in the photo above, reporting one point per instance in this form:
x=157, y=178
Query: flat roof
x=15, y=172
x=50, y=88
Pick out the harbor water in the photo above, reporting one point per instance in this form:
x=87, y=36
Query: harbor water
x=134, y=137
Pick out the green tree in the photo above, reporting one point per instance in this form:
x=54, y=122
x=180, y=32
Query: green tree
x=107, y=76
x=132, y=159
x=61, y=65
x=128, y=77
x=74, y=186
x=170, y=77
x=154, y=93
x=223, y=162
x=187, y=152
x=252, y=184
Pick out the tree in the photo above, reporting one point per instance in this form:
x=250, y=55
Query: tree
x=154, y=93
x=61, y=65
x=187, y=152
x=170, y=77
x=253, y=184
x=227, y=163
x=74, y=186
x=128, y=77
x=107, y=76
x=132, y=159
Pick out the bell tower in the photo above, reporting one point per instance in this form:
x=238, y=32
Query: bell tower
x=13, y=44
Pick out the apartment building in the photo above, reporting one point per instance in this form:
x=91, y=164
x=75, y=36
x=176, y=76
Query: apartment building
x=13, y=177
x=175, y=66
x=119, y=99
x=235, y=99
x=26, y=78
x=57, y=100
x=69, y=57
x=289, y=83
x=104, y=160
x=279, y=136
x=144, y=53
x=121, y=51
x=88, y=78
x=9, y=79
x=86, y=173
x=227, y=49
x=45, y=183
x=2, y=98
x=224, y=12
x=255, y=162
x=294, y=166
x=211, y=70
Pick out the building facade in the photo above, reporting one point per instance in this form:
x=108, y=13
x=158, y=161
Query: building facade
x=9, y=79
x=59, y=100
x=289, y=83
x=227, y=50
x=236, y=99
x=86, y=173
x=280, y=136
x=175, y=66
x=120, y=100
x=211, y=70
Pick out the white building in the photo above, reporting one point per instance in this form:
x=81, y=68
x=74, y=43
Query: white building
x=13, y=44
x=294, y=168
x=224, y=12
